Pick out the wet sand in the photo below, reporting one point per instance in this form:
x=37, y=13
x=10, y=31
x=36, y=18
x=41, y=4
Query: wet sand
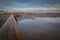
x=40, y=28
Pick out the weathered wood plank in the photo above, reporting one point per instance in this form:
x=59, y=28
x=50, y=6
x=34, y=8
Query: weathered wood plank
x=10, y=30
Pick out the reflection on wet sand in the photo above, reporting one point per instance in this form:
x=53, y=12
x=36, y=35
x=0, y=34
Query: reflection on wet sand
x=35, y=28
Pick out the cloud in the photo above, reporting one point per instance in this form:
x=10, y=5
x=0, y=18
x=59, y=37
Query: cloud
x=32, y=6
x=5, y=1
x=36, y=10
x=8, y=4
x=20, y=4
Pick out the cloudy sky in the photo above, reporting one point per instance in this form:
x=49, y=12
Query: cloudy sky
x=37, y=6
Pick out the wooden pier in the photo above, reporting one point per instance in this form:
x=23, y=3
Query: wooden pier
x=10, y=30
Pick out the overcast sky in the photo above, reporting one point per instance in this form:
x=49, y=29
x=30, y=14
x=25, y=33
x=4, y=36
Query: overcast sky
x=39, y=6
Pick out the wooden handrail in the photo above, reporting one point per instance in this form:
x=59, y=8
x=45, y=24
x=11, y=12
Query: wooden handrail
x=19, y=33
